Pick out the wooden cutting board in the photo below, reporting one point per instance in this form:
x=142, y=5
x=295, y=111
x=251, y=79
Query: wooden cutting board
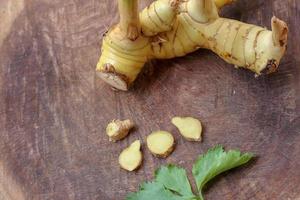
x=54, y=110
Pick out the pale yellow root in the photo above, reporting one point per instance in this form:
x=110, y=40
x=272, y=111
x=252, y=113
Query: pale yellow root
x=131, y=157
x=158, y=17
x=160, y=143
x=173, y=28
x=117, y=129
x=189, y=127
x=124, y=49
x=129, y=19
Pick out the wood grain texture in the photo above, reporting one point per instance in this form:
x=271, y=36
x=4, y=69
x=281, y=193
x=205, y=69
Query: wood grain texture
x=54, y=109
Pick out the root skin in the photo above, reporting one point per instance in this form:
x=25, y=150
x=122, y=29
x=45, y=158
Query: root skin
x=129, y=18
x=131, y=157
x=117, y=129
x=160, y=143
x=174, y=28
x=190, y=128
x=280, y=32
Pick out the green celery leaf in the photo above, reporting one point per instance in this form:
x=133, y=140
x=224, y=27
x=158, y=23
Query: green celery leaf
x=171, y=182
x=174, y=179
x=216, y=161
x=154, y=191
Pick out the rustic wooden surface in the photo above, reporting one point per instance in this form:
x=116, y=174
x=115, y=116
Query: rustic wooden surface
x=54, y=109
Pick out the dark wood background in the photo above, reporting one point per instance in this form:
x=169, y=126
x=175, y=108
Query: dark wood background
x=54, y=110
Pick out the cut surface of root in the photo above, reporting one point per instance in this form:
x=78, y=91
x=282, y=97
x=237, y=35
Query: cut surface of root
x=131, y=157
x=117, y=129
x=160, y=143
x=189, y=127
x=114, y=80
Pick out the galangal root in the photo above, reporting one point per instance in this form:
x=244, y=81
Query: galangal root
x=117, y=129
x=160, y=143
x=174, y=28
x=190, y=128
x=131, y=157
